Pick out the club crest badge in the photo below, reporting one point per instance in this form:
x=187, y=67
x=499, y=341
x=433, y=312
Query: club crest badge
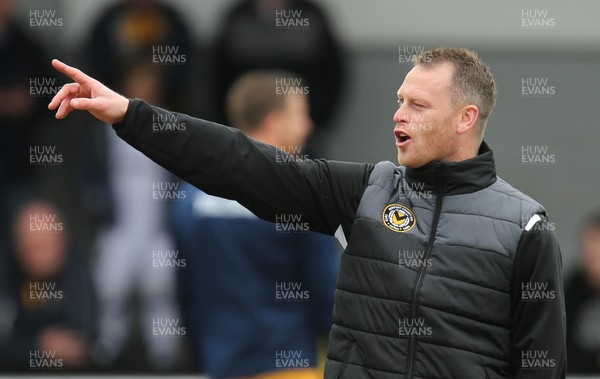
x=398, y=218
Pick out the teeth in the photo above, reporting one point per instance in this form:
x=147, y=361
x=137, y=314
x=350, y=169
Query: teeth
x=402, y=137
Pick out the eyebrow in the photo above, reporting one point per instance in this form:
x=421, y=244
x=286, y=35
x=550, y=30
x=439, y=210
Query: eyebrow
x=415, y=99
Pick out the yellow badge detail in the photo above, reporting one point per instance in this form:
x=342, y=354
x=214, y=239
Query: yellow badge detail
x=398, y=218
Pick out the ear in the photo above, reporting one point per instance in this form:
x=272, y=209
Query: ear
x=467, y=118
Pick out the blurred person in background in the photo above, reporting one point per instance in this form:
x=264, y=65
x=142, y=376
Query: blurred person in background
x=129, y=28
x=47, y=299
x=126, y=247
x=582, y=293
x=121, y=33
x=240, y=268
x=290, y=35
x=21, y=61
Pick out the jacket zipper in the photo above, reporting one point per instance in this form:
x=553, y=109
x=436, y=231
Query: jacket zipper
x=421, y=273
x=346, y=361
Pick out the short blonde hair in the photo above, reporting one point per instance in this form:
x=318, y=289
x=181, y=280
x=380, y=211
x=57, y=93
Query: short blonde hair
x=472, y=80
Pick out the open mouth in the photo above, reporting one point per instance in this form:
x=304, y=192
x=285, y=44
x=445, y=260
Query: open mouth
x=401, y=138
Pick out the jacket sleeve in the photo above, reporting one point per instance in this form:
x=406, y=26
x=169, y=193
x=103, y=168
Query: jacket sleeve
x=224, y=162
x=538, y=347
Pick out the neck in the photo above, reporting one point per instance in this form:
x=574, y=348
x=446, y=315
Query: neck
x=470, y=150
x=464, y=176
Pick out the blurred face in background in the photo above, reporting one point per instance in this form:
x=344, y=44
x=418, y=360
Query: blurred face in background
x=426, y=119
x=143, y=81
x=40, y=252
x=591, y=255
x=267, y=107
x=293, y=122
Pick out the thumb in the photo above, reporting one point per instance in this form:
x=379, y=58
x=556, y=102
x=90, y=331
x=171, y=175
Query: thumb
x=83, y=104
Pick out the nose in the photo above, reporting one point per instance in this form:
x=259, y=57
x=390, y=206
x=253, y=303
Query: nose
x=400, y=115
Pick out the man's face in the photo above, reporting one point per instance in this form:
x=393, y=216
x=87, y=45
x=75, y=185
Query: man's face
x=426, y=119
x=295, y=124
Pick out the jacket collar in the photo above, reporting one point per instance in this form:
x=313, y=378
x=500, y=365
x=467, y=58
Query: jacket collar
x=453, y=178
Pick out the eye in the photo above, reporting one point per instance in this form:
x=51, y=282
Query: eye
x=400, y=101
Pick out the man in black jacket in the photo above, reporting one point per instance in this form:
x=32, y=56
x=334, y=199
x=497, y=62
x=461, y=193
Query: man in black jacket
x=448, y=271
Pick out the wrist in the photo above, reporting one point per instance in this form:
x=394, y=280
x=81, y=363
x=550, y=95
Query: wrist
x=122, y=107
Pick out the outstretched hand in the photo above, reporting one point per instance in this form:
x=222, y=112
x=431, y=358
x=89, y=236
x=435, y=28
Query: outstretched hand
x=87, y=94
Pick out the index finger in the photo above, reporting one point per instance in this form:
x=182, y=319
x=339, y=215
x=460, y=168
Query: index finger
x=72, y=72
